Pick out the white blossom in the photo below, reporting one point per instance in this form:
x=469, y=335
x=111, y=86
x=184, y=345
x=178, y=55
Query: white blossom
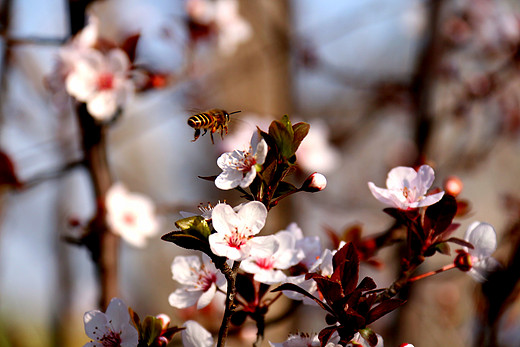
x=407, y=188
x=200, y=281
x=484, y=240
x=239, y=167
x=231, y=28
x=268, y=268
x=101, y=81
x=130, y=215
x=235, y=231
x=112, y=328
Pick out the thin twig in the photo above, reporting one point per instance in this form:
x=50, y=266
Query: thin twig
x=231, y=276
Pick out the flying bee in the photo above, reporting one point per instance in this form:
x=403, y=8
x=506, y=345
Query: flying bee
x=213, y=120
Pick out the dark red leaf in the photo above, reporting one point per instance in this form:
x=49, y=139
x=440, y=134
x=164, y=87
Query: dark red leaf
x=438, y=217
x=383, y=308
x=295, y=288
x=460, y=242
x=367, y=284
x=325, y=335
x=346, y=267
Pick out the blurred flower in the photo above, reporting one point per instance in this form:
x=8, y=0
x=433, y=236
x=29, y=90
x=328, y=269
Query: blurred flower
x=130, y=215
x=101, y=81
x=478, y=261
x=67, y=55
x=315, y=152
x=200, y=281
x=407, y=188
x=239, y=167
x=267, y=268
x=195, y=335
x=112, y=328
x=224, y=17
x=235, y=230
x=453, y=185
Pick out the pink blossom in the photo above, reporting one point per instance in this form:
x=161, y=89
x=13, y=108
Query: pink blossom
x=231, y=28
x=112, y=328
x=267, y=268
x=200, y=281
x=101, y=81
x=239, y=167
x=130, y=215
x=407, y=188
x=236, y=230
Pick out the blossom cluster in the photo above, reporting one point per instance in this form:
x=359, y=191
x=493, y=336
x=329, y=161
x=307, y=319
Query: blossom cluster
x=242, y=263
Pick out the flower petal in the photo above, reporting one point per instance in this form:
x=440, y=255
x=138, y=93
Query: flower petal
x=117, y=313
x=206, y=297
x=400, y=177
x=96, y=324
x=483, y=237
x=183, y=298
x=428, y=200
x=195, y=335
x=424, y=179
x=184, y=269
x=255, y=214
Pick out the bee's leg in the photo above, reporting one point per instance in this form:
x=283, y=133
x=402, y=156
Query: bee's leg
x=197, y=134
x=211, y=135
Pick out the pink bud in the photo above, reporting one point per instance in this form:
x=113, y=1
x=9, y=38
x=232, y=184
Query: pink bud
x=453, y=185
x=406, y=345
x=165, y=320
x=314, y=183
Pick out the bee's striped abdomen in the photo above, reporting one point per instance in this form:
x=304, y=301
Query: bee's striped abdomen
x=200, y=120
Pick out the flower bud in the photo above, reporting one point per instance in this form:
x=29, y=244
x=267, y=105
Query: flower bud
x=463, y=261
x=406, y=345
x=165, y=320
x=453, y=185
x=314, y=183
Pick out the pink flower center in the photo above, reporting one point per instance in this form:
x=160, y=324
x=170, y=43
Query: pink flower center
x=129, y=218
x=410, y=194
x=265, y=263
x=206, y=279
x=236, y=240
x=243, y=164
x=111, y=339
x=105, y=81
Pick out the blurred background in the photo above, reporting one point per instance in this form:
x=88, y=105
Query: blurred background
x=382, y=83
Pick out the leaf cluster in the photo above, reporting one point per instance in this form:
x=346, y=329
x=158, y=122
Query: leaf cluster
x=151, y=329
x=350, y=306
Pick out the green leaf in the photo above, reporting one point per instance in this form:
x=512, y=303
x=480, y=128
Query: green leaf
x=443, y=248
x=152, y=328
x=300, y=130
x=369, y=336
x=283, y=188
x=188, y=241
x=195, y=223
x=283, y=138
